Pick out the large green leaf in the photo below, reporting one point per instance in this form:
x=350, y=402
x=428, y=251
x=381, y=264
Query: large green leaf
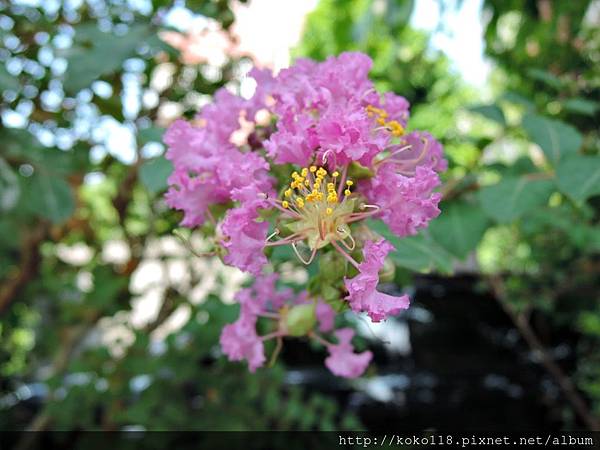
x=514, y=196
x=50, y=197
x=579, y=177
x=419, y=253
x=556, y=138
x=581, y=106
x=459, y=228
x=492, y=112
x=99, y=54
x=154, y=174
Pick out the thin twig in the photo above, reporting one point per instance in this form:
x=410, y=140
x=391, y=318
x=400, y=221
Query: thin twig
x=568, y=388
x=27, y=269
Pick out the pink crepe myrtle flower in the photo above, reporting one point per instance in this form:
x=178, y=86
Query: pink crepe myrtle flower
x=322, y=106
x=416, y=149
x=244, y=236
x=240, y=341
x=208, y=167
x=362, y=289
x=342, y=361
x=328, y=121
x=406, y=204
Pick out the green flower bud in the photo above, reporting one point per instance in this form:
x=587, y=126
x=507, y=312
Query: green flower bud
x=300, y=320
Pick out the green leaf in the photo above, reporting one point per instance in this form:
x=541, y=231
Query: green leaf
x=492, y=112
x=459, y=228
x=154, y=174
x=152, y=134
x=581, y=106
x=546, y=77
x=556, y=138
x=100, y=54
x=9, y=187
x=579, y=177
x=419, y=253
x=514, y=196
x=517, y=99
x=7, y=81
x=51, y=197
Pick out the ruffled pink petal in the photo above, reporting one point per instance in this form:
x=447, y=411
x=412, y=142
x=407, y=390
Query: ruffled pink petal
x=342, y=361
x=362, y=289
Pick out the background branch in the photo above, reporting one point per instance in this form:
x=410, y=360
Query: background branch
x=562, y=379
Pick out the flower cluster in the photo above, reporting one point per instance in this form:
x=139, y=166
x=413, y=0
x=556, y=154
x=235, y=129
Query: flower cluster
x=303, y=163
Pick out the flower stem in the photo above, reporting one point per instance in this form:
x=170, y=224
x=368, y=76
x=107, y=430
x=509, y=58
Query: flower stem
x=344, y=254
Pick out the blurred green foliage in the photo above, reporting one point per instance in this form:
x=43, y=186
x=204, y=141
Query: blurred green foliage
x=70, y=355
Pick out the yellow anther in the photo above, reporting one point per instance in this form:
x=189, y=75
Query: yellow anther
x=306, y=183
x=300, y=202
x=313, y=169
x=304, y=172
x=288, y=193
x=380, y=121
x=295, y=174
x=321, y=172
x=347, y=192
x=329, y=211
x=396, y=128
x=349, y=182
x=336, y=174
x=330, y=186
x=285, y=204
x=383, y=114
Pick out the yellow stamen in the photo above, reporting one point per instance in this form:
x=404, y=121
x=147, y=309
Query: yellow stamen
x=349, y=182
x=285, y=204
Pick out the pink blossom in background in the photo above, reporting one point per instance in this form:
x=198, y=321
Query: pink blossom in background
x=342, y=361
x=239, y=341
x=212, y=45
x=325, y=316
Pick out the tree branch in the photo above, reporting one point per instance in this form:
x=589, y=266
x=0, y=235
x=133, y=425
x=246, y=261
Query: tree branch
x=566, y=385
x=28, y=266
